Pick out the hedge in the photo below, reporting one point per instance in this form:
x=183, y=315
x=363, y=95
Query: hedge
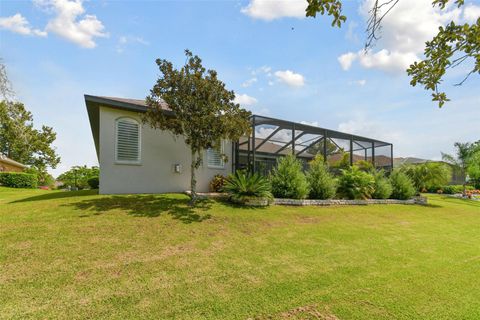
x=18, y=180
x=93, y=182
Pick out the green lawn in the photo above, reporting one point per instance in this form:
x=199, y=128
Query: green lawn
x=77, y=255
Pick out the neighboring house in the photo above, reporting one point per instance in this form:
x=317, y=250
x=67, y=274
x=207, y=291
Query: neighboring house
x=9, y=165
x=134, y=158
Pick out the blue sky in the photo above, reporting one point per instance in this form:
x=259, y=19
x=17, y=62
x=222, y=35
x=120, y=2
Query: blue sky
x=278, y=62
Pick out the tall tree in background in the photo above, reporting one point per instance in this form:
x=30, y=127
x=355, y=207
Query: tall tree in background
x=454, y=44
x=202, y=109
x=6, y=91
x=462, y=158
x=19, y=140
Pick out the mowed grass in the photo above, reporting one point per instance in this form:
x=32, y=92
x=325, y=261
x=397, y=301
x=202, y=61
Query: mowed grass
x=79, y=255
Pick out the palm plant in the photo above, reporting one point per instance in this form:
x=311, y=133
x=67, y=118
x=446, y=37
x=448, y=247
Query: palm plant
x=242, y=186
x=460, y=161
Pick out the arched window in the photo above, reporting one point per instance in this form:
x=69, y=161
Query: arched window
x=127, y=141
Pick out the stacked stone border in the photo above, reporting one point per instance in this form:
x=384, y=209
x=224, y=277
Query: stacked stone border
x=341, y=202
x=329, y=202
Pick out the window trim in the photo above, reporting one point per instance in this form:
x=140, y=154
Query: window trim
x=128, y=162
x=222, y=150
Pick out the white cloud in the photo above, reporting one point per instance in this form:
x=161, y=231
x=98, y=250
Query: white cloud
x=404, y=32
x=346, y=60
x=270, y=10
x=471, y=13
x=249, y=82
x=360, y=82
x=19, y=24
x=72, y=23
x=124, y=41
x=290, y=78
x=373, y=129
x=310, y=123
x=245, y=100
x=387, y=61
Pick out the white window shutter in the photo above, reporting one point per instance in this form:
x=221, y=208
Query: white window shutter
x=215, y=157
x=128, y=140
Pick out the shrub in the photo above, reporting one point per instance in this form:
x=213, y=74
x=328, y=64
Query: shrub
x=288, y=180
x=322, y=184
x=452, y=189
x=366, y=166
x=241, y=186
x=343, y=162
x=43, y=177
x=355, y=184
x=428, y=175
x=217, y=183
x=93, y=182
x=18, y=180
x=402, y=186
x=383, y=188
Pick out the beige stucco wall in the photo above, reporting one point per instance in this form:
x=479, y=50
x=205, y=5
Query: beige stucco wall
x=159, y=154
x=7, y=167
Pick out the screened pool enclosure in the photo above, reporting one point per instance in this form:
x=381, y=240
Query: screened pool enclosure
x=273, y=138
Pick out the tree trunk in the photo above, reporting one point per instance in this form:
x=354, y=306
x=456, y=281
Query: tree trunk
x=193, y=181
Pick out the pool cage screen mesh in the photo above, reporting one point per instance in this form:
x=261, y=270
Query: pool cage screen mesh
x=273, y=138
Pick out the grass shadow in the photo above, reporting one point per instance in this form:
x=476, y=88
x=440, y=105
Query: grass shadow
x=148, y=206
x=226, y=202
x=52, y=195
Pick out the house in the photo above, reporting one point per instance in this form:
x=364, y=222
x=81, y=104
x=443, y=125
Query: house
x=9, y=165
x=134, y=158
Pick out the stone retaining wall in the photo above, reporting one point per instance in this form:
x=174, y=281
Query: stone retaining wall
x=341, y=202
x=330, y=202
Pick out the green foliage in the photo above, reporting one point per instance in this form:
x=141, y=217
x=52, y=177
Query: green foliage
x=241, y=186
x=344, y=162
x=78, y=176
x=44, y=178
x=402, y=186
x=288, y=179
x=454, y=44
x=93, y=182
x=383, y=188
x=217, y=183
x=203, y=111
x=322, y=183
x=473, y=166
x=18, y=180
x=428, y=175
x=355, y=184
x=20, y=141
x=465, y=157
x=457, y=188
x=366, y=166
x=330, y=7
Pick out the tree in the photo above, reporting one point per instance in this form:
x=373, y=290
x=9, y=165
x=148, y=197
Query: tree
x=462, y=157
x=474, y=168
x=454, y=44
x=6, y=91
x=202, y=109
x=19, y=140
x=78, y=176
